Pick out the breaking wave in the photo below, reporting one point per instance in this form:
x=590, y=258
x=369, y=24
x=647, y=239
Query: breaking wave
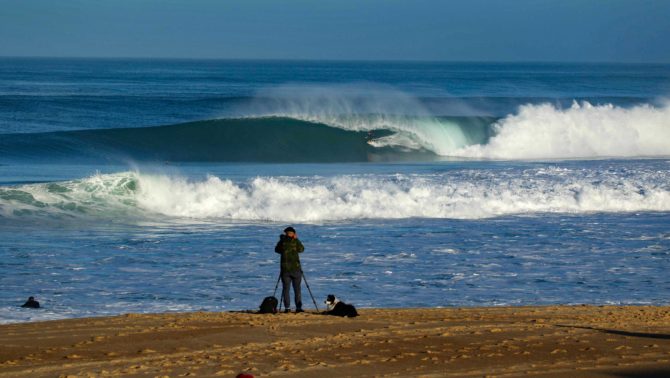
x=462, y=194
x=349, y=124
x=535, y=131
x=581, y=131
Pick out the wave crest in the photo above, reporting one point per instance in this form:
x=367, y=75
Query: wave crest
x=366, y=107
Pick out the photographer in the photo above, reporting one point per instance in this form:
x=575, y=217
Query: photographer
x=291, y=272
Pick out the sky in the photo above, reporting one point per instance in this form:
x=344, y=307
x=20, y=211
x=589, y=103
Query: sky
x=431, y=30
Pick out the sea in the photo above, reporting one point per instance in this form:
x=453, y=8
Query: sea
x=144, y=186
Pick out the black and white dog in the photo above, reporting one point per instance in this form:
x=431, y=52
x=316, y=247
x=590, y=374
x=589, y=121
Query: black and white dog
x=338, y=308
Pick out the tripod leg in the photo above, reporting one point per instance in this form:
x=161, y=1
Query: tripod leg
x=277, y=285
x=275, y=292
x=310, y=291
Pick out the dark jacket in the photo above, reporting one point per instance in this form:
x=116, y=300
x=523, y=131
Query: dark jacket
x=289, y=250
x=31, y=303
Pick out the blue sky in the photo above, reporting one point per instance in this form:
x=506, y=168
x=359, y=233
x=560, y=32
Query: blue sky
x=473, y=30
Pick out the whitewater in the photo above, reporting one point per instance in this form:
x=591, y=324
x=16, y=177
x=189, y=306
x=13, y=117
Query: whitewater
x=581, y=131
x=154, y=186
x=451, y=194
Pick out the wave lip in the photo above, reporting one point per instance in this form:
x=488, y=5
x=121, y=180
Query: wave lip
x=581, y=131
x=466, y=194
x=255, y=139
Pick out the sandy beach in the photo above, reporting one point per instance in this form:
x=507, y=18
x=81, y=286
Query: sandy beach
x=512, y=341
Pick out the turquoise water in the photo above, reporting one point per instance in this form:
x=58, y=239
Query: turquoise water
x=148, y=186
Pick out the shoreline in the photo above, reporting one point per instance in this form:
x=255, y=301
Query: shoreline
x=538, y=341
x=312, y=311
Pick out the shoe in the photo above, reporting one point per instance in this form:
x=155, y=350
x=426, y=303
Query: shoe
x=299, y=310
x=287, y=311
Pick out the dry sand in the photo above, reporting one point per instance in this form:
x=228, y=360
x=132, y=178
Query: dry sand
x=514, y=341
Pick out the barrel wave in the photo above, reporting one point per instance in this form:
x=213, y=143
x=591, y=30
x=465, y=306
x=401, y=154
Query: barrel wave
x=271, y=139
x=302, y=133
x=266, y=139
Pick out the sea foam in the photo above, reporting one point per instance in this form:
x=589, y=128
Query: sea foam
x=473, y=195
x=458, y=194
x=581, y=131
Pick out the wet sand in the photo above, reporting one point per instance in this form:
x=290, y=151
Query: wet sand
x=555, y=341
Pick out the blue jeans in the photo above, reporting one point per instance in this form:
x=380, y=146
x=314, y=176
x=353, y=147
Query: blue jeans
x=295, y=278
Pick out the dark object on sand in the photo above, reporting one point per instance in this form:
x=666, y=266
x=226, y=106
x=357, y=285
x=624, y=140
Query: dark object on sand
x=245, y=375
x=269, y=306
x=31, y=303
x=338, y=308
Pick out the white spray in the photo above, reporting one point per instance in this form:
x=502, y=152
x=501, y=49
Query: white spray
x=581, y=131
x=365, y=107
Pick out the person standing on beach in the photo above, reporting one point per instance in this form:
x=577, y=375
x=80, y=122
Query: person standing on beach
x=289, y=247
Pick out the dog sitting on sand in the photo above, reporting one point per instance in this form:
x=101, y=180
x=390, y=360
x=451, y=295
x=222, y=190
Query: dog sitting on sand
x=338, y=308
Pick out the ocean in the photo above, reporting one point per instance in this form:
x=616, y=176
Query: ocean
x=131, y=185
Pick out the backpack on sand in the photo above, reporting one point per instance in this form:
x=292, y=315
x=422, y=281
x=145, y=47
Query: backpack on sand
x=269, y=306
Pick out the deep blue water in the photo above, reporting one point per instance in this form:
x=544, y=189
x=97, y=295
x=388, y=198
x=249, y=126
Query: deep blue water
x=410, y=184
